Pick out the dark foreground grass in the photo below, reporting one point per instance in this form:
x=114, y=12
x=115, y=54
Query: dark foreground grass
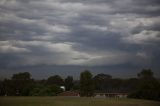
x=73, y=101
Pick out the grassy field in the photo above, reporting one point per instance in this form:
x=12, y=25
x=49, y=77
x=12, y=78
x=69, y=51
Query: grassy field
x=73, y=101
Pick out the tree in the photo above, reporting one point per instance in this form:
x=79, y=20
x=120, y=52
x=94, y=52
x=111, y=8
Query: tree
x=50, y=90
x=101, y=81
x=55, y=80
x=21, y=76
x=147, y=80
x=69, y=83
x=148, y=87
x=8, y=87
x=86, y=84
x=2, y=88
x=21, y=83
x=76, y=85
x=145, y=74
x=130, y=84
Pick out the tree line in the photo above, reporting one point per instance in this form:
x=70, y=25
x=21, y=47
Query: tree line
x=144, y=86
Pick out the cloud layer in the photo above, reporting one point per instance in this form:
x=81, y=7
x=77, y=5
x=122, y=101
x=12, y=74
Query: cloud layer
x=80, y=33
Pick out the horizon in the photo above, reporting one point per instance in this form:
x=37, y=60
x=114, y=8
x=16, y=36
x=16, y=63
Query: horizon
x=76, y=75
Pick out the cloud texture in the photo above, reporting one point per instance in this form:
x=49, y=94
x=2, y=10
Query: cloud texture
x=90, y=33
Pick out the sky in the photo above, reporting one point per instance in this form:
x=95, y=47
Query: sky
x=65, y=37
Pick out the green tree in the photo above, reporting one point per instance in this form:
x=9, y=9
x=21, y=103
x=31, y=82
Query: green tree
x=101, y=81
x=69, y=83
x=51, y=90
x=7, y=88
x=55, y=80
x=21, y=83
x=1, y=88
x=86, y=84
x=21, y=76
x=148, y=87
x=76, y=85
x=145, y=74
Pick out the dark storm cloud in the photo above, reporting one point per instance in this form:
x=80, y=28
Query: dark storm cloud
x=80, y=33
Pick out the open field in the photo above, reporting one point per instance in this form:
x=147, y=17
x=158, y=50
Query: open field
x=73, y=101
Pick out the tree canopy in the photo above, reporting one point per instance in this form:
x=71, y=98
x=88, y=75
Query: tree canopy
x=69, y=83
x=86, y=84
x=148, y=87
x=55, y=80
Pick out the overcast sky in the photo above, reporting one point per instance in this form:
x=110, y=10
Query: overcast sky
x=47, y=37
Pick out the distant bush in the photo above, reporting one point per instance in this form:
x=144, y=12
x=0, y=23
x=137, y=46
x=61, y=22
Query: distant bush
x=46, y=91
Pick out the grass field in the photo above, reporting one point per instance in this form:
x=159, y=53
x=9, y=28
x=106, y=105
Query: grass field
x=73, y=101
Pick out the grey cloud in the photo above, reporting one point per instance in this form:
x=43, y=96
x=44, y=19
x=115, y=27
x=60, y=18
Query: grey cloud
x=79, y=32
